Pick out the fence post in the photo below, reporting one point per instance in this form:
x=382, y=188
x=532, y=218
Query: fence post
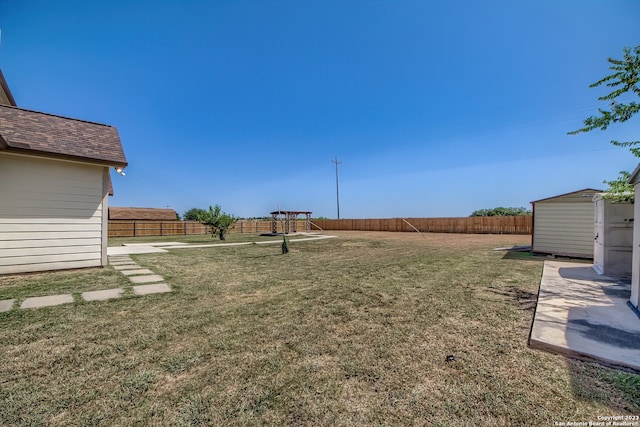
x=134, y=229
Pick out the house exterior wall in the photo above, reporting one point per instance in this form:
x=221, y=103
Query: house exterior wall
x=564, y=226
x=50, y=214
x=635, y=260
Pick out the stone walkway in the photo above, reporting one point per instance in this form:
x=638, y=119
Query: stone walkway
x=144, y=282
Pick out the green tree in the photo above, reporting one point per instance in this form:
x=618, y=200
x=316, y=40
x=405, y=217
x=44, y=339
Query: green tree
x=500, y=211
x=219, y=222
x=193, y=214
x=620, y=190
x=624, y=80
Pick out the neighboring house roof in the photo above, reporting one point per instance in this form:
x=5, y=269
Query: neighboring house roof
x=577, y=193
x=142, y=214
x=5, y=94
x=41, y=134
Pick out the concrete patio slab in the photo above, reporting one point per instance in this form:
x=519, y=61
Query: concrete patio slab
x=211, y=245
x=125, y=250
x=6, y=304
x=162, y=244
x=131, y=266
x=136, y=272
x=102, y=295
x=151, y=289
x=48, y=301
x=582, y=314
x=146, y=279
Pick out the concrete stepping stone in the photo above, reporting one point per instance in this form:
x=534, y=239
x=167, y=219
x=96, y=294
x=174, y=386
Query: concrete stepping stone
x=140, y=249
x=137, y=272
x=102, y=295
x=156, y=244
x=119, y=259
x=48, y=301
x=121, y=267
x=146, y=279
x=6, y=304
x=156, y=288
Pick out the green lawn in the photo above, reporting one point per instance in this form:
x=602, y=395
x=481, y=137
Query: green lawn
x=346, y=331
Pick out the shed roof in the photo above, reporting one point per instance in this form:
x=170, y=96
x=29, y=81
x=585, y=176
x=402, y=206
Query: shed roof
x=41, y=134
x=142, y=214
x=573, y=193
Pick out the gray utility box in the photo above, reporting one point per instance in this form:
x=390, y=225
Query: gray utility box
x=613, y=237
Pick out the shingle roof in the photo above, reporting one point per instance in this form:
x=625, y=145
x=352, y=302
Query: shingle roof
x=142, y=214
x=35, y=133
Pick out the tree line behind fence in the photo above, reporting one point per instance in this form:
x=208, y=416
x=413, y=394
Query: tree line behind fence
x=467, y=225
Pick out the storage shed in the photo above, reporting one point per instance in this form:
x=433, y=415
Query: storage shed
x=564, y=224
x=55, y=183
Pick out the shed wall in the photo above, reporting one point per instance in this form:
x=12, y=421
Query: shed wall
x=564, y=228
x=50, y=214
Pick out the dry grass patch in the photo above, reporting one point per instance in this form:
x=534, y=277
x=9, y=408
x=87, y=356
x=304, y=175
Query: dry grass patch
x=348, y=331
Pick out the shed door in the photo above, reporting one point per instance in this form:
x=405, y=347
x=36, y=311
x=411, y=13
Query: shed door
x=598, y=230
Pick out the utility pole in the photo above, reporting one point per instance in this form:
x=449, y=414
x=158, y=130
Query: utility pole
x=337, y=192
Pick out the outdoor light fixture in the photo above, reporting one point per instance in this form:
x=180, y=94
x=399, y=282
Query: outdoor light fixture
x=120, y=170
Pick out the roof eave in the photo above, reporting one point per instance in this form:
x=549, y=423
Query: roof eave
x=635, y=175
x=25, y=151
x=5, y=88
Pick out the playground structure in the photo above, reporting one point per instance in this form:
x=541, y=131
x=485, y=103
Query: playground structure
x=290, y=223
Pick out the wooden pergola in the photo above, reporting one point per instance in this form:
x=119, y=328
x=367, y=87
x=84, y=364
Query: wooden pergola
x=290, y=221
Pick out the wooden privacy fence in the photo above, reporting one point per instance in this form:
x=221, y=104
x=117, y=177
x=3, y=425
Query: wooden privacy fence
x=123, y=228
x=468, y=225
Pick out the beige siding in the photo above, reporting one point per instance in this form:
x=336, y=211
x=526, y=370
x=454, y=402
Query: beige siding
x=564, y=227
x=50, y=214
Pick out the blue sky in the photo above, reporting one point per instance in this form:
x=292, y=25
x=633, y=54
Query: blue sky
x=434, y=108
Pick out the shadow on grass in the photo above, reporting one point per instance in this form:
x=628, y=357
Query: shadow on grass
x=524, y=256
x=619, y=387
